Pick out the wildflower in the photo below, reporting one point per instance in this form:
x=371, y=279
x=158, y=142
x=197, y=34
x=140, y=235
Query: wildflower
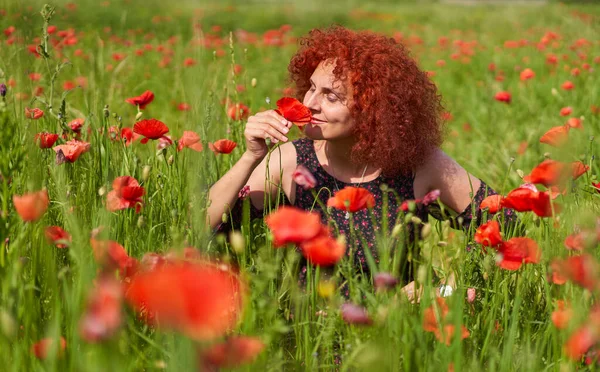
x=151, y=129
x=516, y=251
x=583, y=270
x=354, y=314
x=352, y=199
x=431, y=197
x=46, y=140
x=303, y=177
x=102, y=316
x=293, y=225
x=34, y=113
x=488, y=234
x=524, y=199
x=503, y=97
x=568, y=85
x=191, y=140
x=43, y=347
x=166, y=295
x=142, y=100
x=556, y=136
x=566, y=111
x=323, y=250
x=126, y=193
x=76, y=124
x=385, y=281
x=31, y=206
x=70, y=151
x=434, y=319
x=574, y=123
x=57, y=236
x=471, y=294
x=222, y=146
x=244, y=192
x=238, y=111
x=492, y=202
x=562, y=315
x=293, y=110
x=551, y=172
x=234, y=352
x=527, y=74
x=112, y=256
x=3, y=90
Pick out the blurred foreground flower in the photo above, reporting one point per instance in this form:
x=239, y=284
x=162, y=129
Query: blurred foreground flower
x=31, y=206
x=435, y=319
x=34, y=113
x=234, y=352
x=354, y=314
x=292, y=225
x=352, y=199
x=44, y=347
x=126, y=193
x=57, y=236
x=102, y=316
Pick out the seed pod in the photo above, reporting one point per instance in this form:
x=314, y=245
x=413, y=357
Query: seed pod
x=253, y=82
x=237, y=241
x=426, y=231
x=138, y=116
x=146, y=173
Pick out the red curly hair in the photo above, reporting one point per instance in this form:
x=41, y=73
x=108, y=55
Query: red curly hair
x=397, y=106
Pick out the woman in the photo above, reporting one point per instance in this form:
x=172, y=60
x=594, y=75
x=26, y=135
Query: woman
x=376, y=120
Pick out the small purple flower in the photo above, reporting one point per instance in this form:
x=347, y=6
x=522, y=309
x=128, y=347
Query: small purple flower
x=431, y=197
x=244, y=192
x=384, y=281
x=354, y=314
x=3, y=90
x=304, y=178
x=471, y=294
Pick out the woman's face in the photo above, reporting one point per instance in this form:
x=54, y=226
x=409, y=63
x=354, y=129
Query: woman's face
x=329, y=101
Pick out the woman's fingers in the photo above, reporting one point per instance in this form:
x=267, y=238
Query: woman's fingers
x=268, y=128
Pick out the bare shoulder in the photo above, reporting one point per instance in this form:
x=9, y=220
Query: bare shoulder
x=442, y=172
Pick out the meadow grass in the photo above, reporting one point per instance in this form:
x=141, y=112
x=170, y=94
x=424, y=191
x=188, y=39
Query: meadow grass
x=44, y=289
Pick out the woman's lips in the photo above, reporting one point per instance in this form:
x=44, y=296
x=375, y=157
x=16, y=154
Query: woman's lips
x=316, y=121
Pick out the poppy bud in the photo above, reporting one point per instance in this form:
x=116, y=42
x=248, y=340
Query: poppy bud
x=520, y=173
x=106, y=112
x=485, y=276
x=7, y=324
x=554, y=92
x=146, y=173
x=3, y=90
x=268, y=100
x=416, y=220
x=141, y=222
x=396, y=230
x=421, y=274
x=102, y=191
x=253, y=82
x=170, y=160
x=237, y=241
x=471, y=293
x=547, y=155
x=408, y=217
x=426, y=231
x=224, y=218
x=138, y=116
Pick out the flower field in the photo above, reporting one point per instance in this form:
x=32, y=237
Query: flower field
x=117, y=117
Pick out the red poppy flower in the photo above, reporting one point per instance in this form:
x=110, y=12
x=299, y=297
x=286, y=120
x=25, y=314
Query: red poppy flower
x=352, y=199
x=596, y=185
x=70, y=151
x=551, y=172
x=577, y=241
x=57, y=236
x=574, y=123
x=44, y=347
x=568, y=85
x=503, y=97
x=191, y=140
x=126, y=193
x=102, y=317
x=128, y=135
x=431, y=197
x=199, y=299
x=76, y=124
x=354, y=314
x=292, y=225
x=583, y=270
x=435, y=322
x=488, y=234
x=580, y=342
x=566, y=111
x=222, y=146
x=293, y=110
x=113, y=256
x=234, y=352
x=46, y=140
x=492, y=202
x=142, y=100
x=303, y=177
x=517, y=251
x=238, y=111
x=34, y=113
x=31, y=206
x=323, y=250
x=556, y=136
x=557, y=277
x=561, y=316
x=527, y=74
x=152, y=129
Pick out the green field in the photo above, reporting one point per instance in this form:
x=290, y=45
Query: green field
x=199, y=59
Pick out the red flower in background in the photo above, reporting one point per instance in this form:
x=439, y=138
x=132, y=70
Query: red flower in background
x=102, y=317
x=562, y=315
x=582, y=270
x=527, y=74
x=31, y=206
x=234, y=352
x=45, y=140
x=142, y=100
x=574, y=123
x=238, y=111
x=492, y=202
x=126, y=193
x=323, y=250
x=566, y=111
x=488, y=234
x=435, y=319
x=57, y=236
x=293, y=110
x=34, y=113
x=191, y=140
x=152, y=129
x=568, y=85
x=556, y=136
x=354, y=314
x=199, y=299
x=517, y=251
x=76, y=124
x=503, y=97
x=222, y=146
x=352, y=199
x=70, y=151
x=113, y=256
x=293, y=225
x=43, y=347
x=551, y=172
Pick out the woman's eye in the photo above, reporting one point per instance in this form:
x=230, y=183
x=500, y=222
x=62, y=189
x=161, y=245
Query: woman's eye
x=331, y=98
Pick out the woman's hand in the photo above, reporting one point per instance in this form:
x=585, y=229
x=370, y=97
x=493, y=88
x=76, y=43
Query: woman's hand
x=263, y=125
x=411, y=292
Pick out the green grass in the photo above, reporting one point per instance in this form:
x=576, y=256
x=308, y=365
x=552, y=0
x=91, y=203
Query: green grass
x=44, y=289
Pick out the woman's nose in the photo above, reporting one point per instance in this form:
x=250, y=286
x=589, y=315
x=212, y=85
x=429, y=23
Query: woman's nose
x=311, y=101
